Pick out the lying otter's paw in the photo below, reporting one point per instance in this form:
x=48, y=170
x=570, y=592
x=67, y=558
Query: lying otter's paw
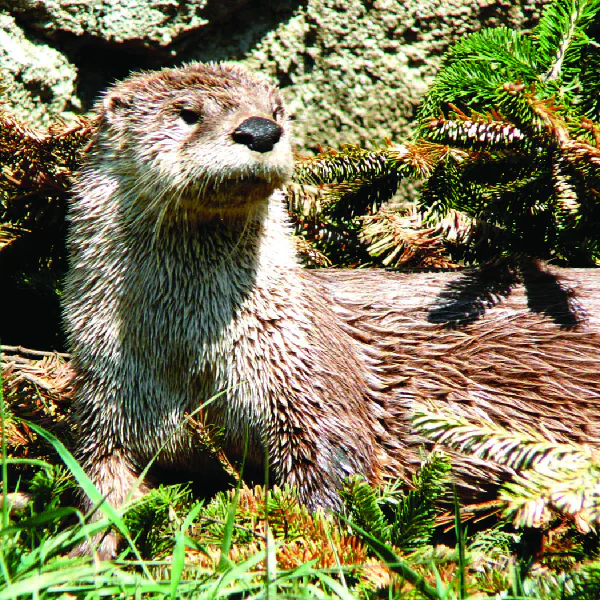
x=103, y=546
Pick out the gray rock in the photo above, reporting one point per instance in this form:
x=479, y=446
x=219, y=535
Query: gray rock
x=38, y=81
x=352, y=71
x=155, y=23
x=355, y=71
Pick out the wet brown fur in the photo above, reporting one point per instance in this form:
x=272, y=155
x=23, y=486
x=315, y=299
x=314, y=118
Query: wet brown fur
x=518, y=344
x=184, y=286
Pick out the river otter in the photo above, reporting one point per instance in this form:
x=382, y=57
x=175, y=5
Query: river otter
x=184, y=287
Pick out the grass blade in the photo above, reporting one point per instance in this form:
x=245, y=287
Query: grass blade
x=178, y=558
x=90, y=489
x=396, y=564
x=460, y=542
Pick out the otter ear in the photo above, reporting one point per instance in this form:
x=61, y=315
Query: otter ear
x=113, y=105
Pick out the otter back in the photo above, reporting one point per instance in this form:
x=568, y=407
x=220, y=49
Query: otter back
x=185, y=289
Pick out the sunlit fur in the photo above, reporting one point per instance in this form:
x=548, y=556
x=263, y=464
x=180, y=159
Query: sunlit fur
x=185, y=287
x=184, y=284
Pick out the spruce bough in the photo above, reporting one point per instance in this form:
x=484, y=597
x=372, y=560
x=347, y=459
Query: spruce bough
x=507, y=146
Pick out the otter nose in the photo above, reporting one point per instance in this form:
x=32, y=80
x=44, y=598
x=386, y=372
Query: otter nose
x=258, y=134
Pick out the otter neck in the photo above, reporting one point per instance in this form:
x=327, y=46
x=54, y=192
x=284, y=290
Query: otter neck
x=191, y=211
x=231, y=257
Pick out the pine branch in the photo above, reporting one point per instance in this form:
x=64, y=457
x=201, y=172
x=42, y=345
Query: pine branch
x=476, y=133
x=334, y=191
x=35, y=175
x=476, y=67
x=154, y=518
x=363, y=505
x=414, y=516
x=498, y=48
x=523, y=173
x=349, y=164
x=552, y=477
x=355, y=198
x=36, y=162
x=353, y=171
x=407, y=520
x=589, y=82
x=583, y=156
x=571, y=488
x=399, y=238
x=311, y=256
x=565, y=41
x=539, y=118
x=517, y=106
x=520, y=448
x=560, y=35
x=444, y=190
x=566, y=194
x=301, y=536
x=418, y=159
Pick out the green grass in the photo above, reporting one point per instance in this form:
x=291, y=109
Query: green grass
x=255, y=543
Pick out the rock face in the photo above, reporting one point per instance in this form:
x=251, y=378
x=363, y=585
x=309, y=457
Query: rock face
x=352, y=70
x=37, y=81
x=356, y=70
x=148, y=24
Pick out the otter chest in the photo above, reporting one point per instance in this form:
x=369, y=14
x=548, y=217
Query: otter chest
x=206, y=333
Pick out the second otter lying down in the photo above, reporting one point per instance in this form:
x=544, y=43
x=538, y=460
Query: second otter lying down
x=185, y=285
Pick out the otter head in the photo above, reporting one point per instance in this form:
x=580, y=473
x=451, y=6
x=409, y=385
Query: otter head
x=212, y=138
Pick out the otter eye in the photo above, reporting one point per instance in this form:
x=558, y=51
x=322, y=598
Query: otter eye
x=278, y=113
x=191, y=117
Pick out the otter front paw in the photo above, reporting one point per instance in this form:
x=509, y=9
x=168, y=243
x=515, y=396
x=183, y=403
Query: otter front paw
x=103, y=546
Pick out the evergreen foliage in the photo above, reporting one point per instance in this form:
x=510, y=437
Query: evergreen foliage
x=553, y=478
x=508, y=138
x=35, y=389
x=391, y=515
x=35, y=179
x=34, y=182
x=338, y=190
x=155, y=518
